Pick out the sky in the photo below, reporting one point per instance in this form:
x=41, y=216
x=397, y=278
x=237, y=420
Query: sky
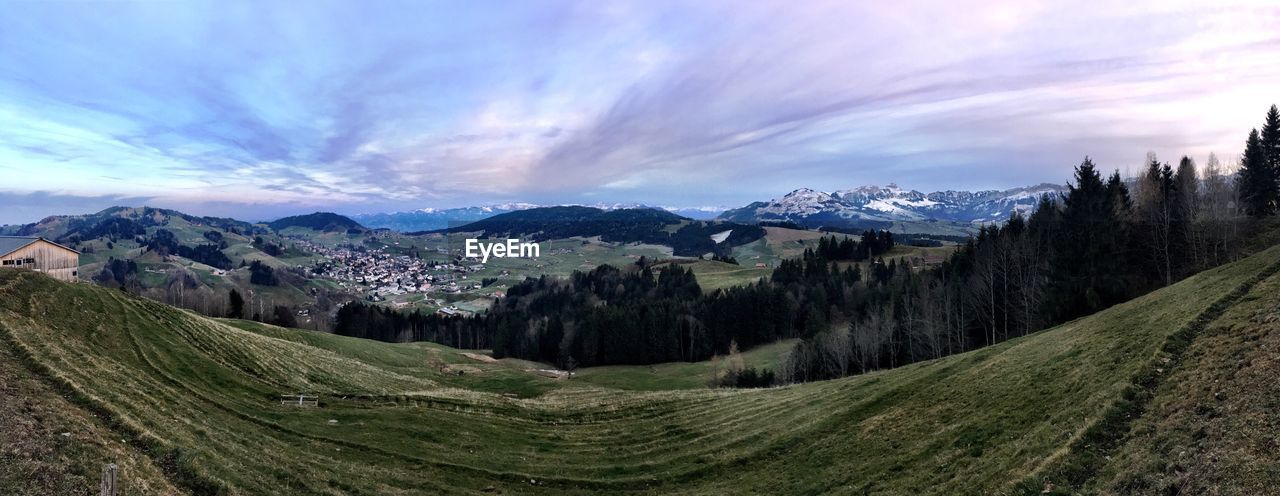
x=261, y=109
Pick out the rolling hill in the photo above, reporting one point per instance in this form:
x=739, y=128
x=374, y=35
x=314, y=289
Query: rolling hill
x=319, y=221
x=184, y=259
x=432, y=219
x=1166, y=392
x=119, y=222
x=687, y=237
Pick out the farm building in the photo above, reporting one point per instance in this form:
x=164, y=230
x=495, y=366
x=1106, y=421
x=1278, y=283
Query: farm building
x=40, y=255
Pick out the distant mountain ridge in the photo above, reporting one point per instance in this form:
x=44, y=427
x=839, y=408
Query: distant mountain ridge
x=686, y=237
x=876, y=205
x=60, y=227
x=319, y=221
x=432, y=219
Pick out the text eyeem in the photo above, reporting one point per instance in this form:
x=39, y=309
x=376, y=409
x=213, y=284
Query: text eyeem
x=512, y=248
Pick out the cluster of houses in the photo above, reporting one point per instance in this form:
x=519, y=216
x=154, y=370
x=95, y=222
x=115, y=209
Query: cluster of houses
x=378, y=274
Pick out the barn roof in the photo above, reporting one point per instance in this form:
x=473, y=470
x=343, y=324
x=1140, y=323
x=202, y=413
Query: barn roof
x=10, y=244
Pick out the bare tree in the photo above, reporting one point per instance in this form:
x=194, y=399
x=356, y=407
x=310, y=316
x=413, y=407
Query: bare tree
x=1029, y=267
x=1219, y=211
x=983, y=284
x=836, y=349
x=927, y=325
x=870, y=338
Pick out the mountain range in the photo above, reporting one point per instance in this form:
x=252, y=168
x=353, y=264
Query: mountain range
x=431, y=219
x=875, y=206
x=862, y=207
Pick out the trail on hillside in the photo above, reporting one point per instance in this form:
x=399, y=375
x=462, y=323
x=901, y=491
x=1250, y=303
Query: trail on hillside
x=1090, y=454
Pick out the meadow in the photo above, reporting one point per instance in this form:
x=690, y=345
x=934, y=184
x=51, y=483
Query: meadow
x=199, y=397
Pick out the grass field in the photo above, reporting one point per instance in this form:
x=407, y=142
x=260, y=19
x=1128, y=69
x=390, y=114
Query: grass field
x=713, y=275
x=677, y=375
x=199, y=398
x=49, y=445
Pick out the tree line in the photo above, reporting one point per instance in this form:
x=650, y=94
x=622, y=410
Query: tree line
x=643, y=313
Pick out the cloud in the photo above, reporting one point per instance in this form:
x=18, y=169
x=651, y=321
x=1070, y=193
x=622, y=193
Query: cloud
x=22, y=208
x=214, y=105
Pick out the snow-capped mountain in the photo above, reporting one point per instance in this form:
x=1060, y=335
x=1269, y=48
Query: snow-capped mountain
x=699, y=213
x=430, y=219
x=869, y=205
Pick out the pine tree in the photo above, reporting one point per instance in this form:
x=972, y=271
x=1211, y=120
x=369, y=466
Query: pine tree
x=1157, y=215
x=1257, y=178
x=1121, y=203
x=1187, y=210
x=1090, y=276
x=237, y=305
x=1270, y=137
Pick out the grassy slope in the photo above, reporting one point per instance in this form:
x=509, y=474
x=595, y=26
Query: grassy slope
x=973, y=423
x=677, y=375
x=1213, y=427
x=511, y=376
x=713, y=275
x=37, y=459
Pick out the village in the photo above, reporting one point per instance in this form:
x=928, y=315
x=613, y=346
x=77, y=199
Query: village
x=376, y=274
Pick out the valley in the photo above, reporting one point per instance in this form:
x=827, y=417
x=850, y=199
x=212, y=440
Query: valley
x=201, y=393
x=640, y=248
x=319, y=262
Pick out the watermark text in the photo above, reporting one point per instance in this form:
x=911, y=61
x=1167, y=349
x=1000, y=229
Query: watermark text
x=511, y=248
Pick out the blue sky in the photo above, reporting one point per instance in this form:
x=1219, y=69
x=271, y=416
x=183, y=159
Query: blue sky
x=257, y=110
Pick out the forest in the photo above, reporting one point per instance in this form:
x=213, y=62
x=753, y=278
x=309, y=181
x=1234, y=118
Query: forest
x=1103, y=242
x=640, y=314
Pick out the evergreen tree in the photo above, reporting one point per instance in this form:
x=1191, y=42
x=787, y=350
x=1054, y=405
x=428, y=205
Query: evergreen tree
x=1119, y=194
x=236, y=309
x=283, y=317
x=1187, y=208
x=1270, y=137
x=1089, y=272
x=1188, y=186
x=1257, y=178
x=1157, y=216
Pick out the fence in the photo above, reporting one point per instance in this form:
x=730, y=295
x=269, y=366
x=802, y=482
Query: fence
x=299, y=400
x=109, y=487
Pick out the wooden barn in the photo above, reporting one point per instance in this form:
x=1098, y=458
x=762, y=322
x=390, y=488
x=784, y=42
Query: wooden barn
x=40, y=255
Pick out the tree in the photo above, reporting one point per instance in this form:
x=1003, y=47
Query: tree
x=836, y=349
x=570, y=365
x=986, y=276
x=1270, y=140
x=1218, y=212
x=1158, y=215
x=1257, y=181
x=1088, y=275
x=262, y=274
x=283, y=317
x=1186, y=208
x=236, y=310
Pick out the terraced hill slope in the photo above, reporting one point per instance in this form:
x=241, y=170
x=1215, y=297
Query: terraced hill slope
x=1097, y=404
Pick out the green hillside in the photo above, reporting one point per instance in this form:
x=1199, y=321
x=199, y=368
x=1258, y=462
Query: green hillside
x=1102, y=403
x=319, y=221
